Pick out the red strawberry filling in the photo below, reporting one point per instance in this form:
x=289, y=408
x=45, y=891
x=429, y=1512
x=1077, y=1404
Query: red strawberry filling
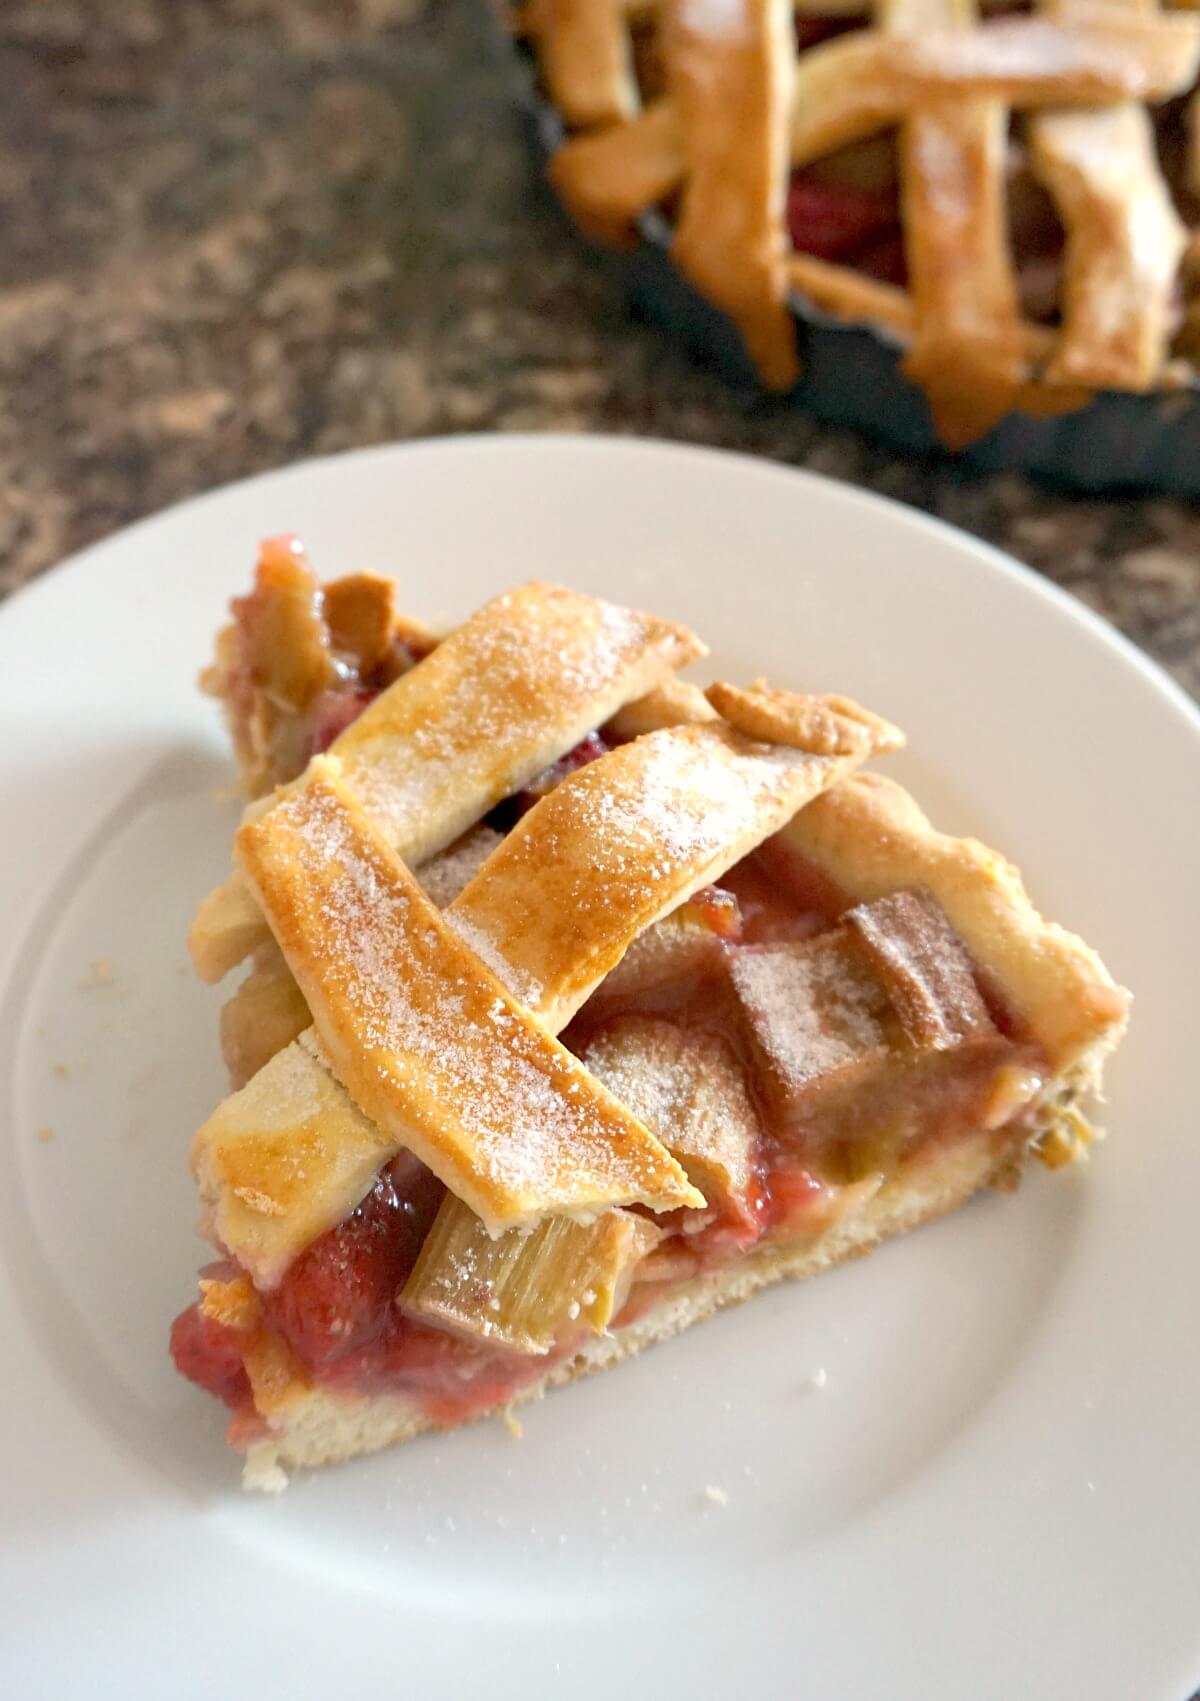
x=210, y=1353
x=861, y=1036
x=838, y=222
x=334, y=1301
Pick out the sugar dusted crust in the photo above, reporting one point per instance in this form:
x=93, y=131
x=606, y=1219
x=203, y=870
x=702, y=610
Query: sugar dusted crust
x=504, y=695
x=428, y=1042
x=627, y=839
x=551, y=910
x=313, y=1427
x=534, y=923
x=870, y=838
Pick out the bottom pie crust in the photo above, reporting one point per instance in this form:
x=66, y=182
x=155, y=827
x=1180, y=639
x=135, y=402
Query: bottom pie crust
x=321, y=1426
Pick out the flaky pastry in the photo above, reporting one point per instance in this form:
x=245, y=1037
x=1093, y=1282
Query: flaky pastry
x=692, y=1007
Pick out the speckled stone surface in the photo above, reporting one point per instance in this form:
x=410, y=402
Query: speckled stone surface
x=237, y=232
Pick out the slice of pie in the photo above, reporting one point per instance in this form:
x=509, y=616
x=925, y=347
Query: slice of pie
x=578, y=1004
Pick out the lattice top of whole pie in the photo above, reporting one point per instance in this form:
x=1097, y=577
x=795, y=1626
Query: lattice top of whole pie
x=1010, y=193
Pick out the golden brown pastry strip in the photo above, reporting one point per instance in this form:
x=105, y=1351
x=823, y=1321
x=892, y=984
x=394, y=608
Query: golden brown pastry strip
x=822, y=725
x=624, y=840
x=585, y=58
x=608, y=177
x=855, y=298
x=1124, y=244
x=967, y=348
x=508, y=692
x=283, y=1160
x=503, y=696
x=428, y=1042
x=1124, y=237
x=733, y=67
x=858, y=85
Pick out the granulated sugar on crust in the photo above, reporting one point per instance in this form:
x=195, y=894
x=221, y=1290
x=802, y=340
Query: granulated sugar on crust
x=509, y=690
x=620, y=843
x=444, y=876
x=429, y=1045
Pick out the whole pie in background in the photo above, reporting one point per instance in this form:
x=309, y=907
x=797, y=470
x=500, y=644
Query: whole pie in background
x=1010, y=193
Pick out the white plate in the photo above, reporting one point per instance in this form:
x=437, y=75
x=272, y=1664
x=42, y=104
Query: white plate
x=997, y=1495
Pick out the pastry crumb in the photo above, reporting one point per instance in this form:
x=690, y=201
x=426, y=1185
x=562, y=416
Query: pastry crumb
x=100, y=972
x=715, y=1495
x=45, y=1133
x=816, y=1381
x=513, y=1424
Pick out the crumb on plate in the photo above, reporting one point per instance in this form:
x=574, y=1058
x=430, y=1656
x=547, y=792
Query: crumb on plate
x=100, y=972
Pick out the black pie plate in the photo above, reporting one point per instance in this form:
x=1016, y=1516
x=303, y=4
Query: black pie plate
x=851, y=375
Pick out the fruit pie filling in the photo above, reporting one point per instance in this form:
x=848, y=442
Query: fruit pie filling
x=794, y=1051
x=828, y=1047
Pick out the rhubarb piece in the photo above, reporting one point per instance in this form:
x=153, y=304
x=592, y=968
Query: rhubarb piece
x=683, y=950
x=287, y=641
x=813, y=1016
x=525, y=1289
x=924, y=967
x=689, y=1088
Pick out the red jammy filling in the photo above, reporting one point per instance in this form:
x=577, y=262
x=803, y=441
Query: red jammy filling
x=337, y=1305
x=337, y=1308
x=210, y=1353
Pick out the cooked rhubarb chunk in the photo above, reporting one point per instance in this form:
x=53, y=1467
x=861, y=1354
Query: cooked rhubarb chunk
x=813, y=1017
x=688, y=1088
x=925, y=968
x=287, y=641
x=528, y=1287
x=688, y=946
x=360, y=614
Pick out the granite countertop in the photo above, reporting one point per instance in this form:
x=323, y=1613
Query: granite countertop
x=239, y=233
